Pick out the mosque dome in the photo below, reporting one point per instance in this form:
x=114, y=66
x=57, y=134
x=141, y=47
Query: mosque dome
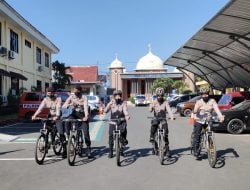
x=150, y=62
x=116, y=64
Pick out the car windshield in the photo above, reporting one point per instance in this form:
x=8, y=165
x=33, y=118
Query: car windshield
x=140, y=97
x=225, y=99
x=194, y=99
x=242, y=106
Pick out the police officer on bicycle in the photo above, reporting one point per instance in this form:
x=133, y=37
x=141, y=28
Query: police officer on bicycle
x=80, y=104
x=119, y=110
x=161, y=109
x=202, y=107
x=54, y=104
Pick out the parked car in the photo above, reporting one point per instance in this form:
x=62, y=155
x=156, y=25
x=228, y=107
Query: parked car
x=186, y=108
x=173, y=103
x=94, y=102
x=229, y=100
x=237, y=119
x=140, y=100
x=30, y=101
x=172, y=97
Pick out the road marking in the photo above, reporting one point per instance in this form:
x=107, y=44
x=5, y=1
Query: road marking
x=7, y=138
x=97, y=130
x=27, y=159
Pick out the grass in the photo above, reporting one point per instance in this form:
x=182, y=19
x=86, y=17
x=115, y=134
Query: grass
x=9, y=116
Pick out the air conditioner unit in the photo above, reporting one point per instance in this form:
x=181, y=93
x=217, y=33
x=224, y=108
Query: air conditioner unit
x=3, y=51
x=40, y=68
x=12, y=55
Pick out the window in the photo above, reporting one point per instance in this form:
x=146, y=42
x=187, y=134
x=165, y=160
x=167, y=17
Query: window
x=237, y=100
x=39, y=85
x=32, y=97
x=38, y=55
x=27, y=44
x=14, y=86
x=46, y=60
x=225, y=99
x=13, y=41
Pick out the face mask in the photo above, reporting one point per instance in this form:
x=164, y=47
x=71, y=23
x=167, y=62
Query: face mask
x=205, y=99
x=160, y=99
x=51, y=96
x=118, y=101
x=78, y=94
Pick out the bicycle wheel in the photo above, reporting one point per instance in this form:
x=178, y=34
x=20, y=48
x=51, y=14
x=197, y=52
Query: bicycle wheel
x=40, y=149
x=117, y=150
x=79, y=143
x=57, y=144
x=71, y=153
x=211, y=151
x=161, y=149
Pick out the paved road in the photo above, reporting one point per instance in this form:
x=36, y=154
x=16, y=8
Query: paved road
x=139, y=170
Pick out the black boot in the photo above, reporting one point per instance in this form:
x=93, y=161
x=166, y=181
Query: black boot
x=64, y=153
x=110, y=152
x=89, y=152
x=197, y=151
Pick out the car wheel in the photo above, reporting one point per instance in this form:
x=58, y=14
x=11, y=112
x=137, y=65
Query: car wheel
x=187, y=112
x=235, y=126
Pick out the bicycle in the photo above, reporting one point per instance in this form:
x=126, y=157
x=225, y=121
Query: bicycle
x=207, y=140
x=159, y=144
x=48, y=137
x=75, y=141
x=117, y=138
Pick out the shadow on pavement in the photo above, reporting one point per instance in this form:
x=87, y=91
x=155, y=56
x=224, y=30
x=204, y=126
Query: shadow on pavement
x=175, y=155
x=222, y=155
x=132, y=155
x=8, y=152
x=96, y=152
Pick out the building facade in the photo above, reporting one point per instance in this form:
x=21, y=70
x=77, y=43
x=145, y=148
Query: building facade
x=149, y=68
x=25, y=54
x=87, y=77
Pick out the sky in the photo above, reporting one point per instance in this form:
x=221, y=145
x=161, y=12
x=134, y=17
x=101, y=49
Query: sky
x=91, y=32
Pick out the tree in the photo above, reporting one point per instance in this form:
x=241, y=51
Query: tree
x=179, y=85
x=165, y=83
x=61, y=78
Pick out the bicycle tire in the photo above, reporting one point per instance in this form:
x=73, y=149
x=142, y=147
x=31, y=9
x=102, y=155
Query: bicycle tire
x=42, y=150
x=71, y=150
x=117, y=150
x=80, y=143
x=161, y=149
x=57, y=144
x=211, y=151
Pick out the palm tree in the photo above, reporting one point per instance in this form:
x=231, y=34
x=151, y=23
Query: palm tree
x=61, y=77
x=179, y=85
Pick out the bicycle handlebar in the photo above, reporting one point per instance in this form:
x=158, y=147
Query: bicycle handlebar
x=72, y=120
x=160, y=118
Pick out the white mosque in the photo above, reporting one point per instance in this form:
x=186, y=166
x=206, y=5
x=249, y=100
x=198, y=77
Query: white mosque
x=148, y=68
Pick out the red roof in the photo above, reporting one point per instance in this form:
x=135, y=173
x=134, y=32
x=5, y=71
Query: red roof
x=84, y=73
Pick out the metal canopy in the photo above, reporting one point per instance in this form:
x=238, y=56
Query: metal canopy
x=220, y=52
